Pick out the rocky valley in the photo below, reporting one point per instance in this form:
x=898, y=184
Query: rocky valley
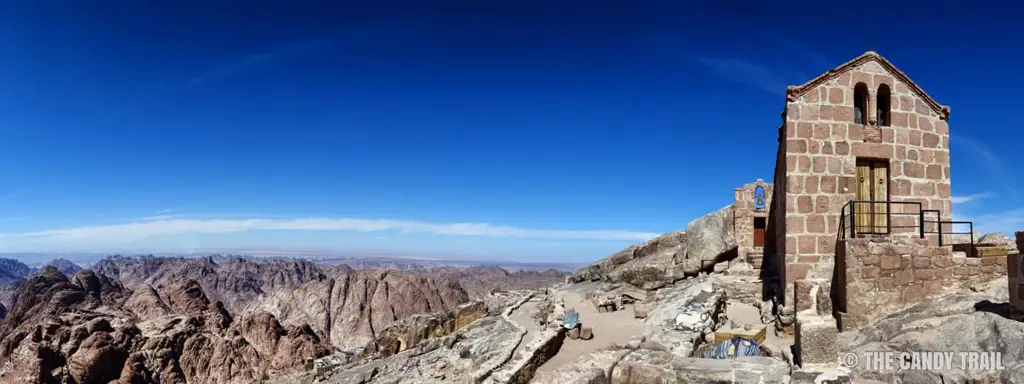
x=655, y=312
x=212, y=319
x=646, y=314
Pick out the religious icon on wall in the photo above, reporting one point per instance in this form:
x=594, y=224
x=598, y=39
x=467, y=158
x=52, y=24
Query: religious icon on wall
x=759, y=198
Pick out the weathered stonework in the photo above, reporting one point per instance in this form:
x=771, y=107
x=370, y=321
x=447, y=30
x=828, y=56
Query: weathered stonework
x=1015, y=277
x=879, y=276
x=819, y=146
x=745, y=210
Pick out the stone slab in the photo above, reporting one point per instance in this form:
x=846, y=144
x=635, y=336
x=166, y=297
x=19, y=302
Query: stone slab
x=639, y=311
x=756, y=333
x=816, y=340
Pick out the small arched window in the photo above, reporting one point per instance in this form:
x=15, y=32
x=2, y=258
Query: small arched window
x=860, y=103
x=884, y=102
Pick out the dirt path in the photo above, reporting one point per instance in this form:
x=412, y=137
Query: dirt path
x=524, y=317
x=609, y=328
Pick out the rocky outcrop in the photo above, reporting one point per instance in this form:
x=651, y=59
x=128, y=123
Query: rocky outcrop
x=482, y=280
x=1000, y=239
x=65, y=266
x=669, y=257
x=13, y=270
x=981, y=320
x=644, y=265
x=89, y=328
x=12, y=274
x=650, y=366
x=351, y=308
x=708, y=240
x=346, y=306
x=409, y=332
x=470, y=312
x=237, y=281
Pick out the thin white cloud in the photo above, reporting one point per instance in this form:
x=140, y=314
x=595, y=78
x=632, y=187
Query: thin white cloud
x=745, y=72
x=996, y=168
x=1006, y=222
x=144, y=230
x=160, y=217
x=976, y=196
x=813, y=57
x=256, y=60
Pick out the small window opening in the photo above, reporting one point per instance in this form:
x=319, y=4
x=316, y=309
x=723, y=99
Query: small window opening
x=884, y=102
x=860, y=104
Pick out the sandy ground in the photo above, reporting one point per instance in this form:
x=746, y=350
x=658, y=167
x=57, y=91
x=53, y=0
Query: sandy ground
x=609, y=328
x=617, y=327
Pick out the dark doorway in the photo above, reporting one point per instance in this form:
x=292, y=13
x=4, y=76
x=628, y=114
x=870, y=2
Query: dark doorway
x=759, y=226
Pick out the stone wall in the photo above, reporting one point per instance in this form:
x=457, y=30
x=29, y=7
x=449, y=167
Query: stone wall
x=823, y=144
x=744, y=212
x=521, y=368
x=773, y=268
x=1015, y=276
x=879, y=276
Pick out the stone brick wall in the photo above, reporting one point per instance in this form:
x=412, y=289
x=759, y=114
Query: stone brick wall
x=822, y=147
x=1015, y=276
x=773, y=268
x=744, y=212
x=879, y=276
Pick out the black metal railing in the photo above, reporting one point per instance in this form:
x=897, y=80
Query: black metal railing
x=874, y=215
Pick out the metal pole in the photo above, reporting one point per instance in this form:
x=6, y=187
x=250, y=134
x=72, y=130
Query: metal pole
x=888, y=219
x=974, y=251
x=920, y=220
x=853, y=220
x=939, y=225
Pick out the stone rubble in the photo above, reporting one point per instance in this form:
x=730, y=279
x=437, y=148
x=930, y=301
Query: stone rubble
x=681, y=321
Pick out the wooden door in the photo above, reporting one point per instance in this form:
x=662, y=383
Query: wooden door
x=759, y=225
x=880, y=190
x=863, y=210
x=872, y=185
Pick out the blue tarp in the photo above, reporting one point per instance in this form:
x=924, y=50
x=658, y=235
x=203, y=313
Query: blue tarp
x=571, y=320
x=734, y=348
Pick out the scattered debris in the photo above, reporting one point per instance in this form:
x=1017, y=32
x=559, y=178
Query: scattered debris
x=693, y=318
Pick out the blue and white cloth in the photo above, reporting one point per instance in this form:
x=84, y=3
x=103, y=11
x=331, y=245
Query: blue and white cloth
x=731, y=349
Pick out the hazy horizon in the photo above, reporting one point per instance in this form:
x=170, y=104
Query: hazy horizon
x=41, y=258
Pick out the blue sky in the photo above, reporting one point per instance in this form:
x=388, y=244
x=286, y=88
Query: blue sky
x=527, y=130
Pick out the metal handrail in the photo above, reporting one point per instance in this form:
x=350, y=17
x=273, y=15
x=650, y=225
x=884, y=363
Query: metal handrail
x=922, y=231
